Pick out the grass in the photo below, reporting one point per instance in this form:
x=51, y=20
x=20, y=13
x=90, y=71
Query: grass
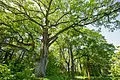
x=97, y=78
x=63, y=77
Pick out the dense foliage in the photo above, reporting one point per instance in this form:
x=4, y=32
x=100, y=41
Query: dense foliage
x=48, y=38
x=116, y=64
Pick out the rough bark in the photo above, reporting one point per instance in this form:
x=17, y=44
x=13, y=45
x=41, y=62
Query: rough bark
x=41, y=66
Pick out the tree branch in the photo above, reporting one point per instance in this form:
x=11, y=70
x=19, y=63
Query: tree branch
x=25, y=13
x=77, y=24
x=40, y=7
x=59, y=23
x=52, y=41
x=43, y=4
x=47, y=12
x=54, y=11
x=30, y=17
x=12, y=45
x=62, y=17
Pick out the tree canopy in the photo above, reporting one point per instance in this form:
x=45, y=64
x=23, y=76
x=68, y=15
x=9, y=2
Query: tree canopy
x=28, y=28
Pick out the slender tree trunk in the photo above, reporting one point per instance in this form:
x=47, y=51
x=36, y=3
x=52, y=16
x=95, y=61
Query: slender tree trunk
x=88, y=68
x=72, y=62
x=88, y=73
x=77, y=67
x=41, y=66
x=68, y=63
x=80, y=65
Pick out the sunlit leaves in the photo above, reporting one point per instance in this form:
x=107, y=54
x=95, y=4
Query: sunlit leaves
x=115, y=69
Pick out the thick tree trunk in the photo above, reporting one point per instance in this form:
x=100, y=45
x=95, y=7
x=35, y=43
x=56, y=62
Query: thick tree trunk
x=41, y=66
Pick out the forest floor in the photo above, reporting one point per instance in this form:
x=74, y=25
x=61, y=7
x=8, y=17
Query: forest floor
x=80, y=78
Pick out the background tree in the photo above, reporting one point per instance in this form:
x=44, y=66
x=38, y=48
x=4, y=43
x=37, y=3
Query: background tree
x=89, y=48
x=115, y=69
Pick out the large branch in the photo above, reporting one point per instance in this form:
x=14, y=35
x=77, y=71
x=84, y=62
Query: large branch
x=103, y=15
x=19, y=12
x=53, y=11
x=61, y=31
x=55, y=25
x=21, y=42
x=52, y=41
x=43, y=4
x=77, y=24
x=40, y=7
x=62, y=17
x=58, y=23
x=47, y=12
x=15, y=46
x=25, y=13
x=19, y=20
